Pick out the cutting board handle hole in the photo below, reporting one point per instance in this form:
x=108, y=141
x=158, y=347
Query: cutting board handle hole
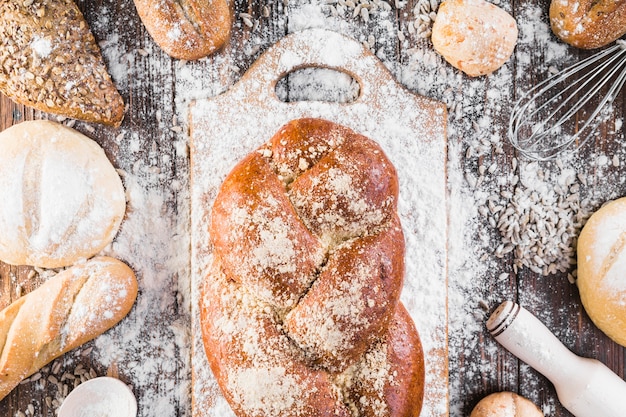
x=318, y=84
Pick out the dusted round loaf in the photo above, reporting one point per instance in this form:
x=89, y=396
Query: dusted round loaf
x=474, y=36
x=300, y=310
x=62, y=199
x=602, y=269
x=505, y=404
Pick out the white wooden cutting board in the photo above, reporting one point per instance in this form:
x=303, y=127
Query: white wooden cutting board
x=411, y=130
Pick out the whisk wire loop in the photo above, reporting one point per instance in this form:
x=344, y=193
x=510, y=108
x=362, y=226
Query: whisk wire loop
x=539, y=119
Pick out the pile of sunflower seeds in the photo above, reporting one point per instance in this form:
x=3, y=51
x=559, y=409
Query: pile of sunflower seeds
x=540, y=220
x=359, y=9
x=58, y=383
x=424, y=13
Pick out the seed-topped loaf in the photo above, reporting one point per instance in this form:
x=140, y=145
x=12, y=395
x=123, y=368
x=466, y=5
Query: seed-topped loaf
x=300, y=311
x=49, y=60
x=588, y=24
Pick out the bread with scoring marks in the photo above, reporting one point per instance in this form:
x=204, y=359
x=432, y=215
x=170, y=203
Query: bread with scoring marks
x=65, y=312
x=67, y=200
x=187, y=29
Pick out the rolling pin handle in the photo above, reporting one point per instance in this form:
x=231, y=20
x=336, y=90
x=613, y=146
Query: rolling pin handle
x=586, y=387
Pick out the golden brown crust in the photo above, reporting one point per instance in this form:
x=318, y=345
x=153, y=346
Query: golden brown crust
x=381, y=259
x=404, y=352
x=588, y=24
x=304, y=290
x=505, y=404
x=49, y=60
x=474, y=36
x=601, y=265
x=187, y=29
x=66, y=311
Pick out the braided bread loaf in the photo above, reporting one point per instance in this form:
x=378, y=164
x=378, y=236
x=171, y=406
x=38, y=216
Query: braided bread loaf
x=66, y=311
x=300, y=311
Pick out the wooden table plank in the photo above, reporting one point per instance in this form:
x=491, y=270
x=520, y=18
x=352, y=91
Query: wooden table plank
x=157, y=88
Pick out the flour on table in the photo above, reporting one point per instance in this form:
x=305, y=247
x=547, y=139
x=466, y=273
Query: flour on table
x=154, y=238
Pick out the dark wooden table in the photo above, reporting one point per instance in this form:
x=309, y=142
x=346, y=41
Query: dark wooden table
x=150, y=145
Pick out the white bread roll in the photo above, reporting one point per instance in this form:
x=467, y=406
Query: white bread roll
x=62, y=198
x=505, y=404
x=474, y=36
x=66, y=311
x=602, y=269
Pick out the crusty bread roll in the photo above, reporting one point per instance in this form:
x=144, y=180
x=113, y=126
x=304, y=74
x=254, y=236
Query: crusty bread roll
x=588, y=24
x=187, y=29
x=66, y=311
x=602, y=269
x=300, y=311
x=474, y=36
x=64, y=200
x=49, y=60
x=505, y=404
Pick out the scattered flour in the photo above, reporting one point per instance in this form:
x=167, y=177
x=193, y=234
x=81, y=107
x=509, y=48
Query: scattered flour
x=154, y=340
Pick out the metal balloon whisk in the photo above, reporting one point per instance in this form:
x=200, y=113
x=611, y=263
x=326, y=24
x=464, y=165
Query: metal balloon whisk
x=548, y=120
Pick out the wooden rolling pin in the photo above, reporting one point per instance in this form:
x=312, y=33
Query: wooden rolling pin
x=586, y=387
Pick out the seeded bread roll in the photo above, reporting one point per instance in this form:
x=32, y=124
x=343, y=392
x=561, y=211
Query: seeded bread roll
x=64, y=200
x=474, y=36
x=300, y=311
x=49, y=60
x=66, y=311
x=509, y=404
x=186, y=29
x=588, y=24
x=602, y=269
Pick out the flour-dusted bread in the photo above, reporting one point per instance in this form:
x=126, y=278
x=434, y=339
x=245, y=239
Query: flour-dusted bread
x=505, y=404
x=602, y=269
x=588, y=24
x=62, y=199
x=49, y=60
x=300, y=312
x=187, y=29
x=474, y=36
x=66, y=311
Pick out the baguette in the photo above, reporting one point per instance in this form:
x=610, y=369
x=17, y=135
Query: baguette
x=49, y=60
x=588, y=24
x=66, y=311
x=186, y=29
